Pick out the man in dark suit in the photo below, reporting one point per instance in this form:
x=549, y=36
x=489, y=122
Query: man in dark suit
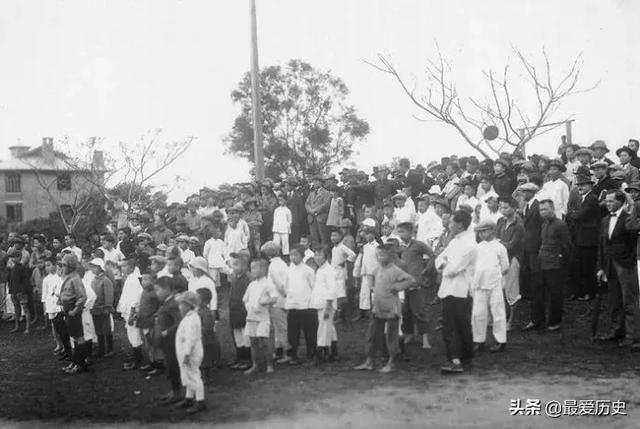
x=295, y=203
x=617, y=265
x=530, y=269
x=585, y=222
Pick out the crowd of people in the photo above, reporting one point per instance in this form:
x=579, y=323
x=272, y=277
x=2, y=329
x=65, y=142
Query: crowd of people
x=300, y=255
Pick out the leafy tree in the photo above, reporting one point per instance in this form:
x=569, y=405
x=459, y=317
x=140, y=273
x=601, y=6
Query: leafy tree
x=308, y=126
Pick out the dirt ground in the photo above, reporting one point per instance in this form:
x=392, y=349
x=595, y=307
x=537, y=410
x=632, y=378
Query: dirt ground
x=538, y=365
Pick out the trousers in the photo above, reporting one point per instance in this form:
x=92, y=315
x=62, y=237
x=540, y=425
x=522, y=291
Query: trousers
x=283, y=240
x=487, y=301
x=279, y=323
x=456, y=328
x=414, y=312
x=623, y=298
x=382, y=332
x=326, y=328
x=318, y=232
x=549, y=285
x=366, y=287
x=306, y=322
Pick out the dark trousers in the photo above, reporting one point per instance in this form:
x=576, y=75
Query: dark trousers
x=623, y=298
x=456, y=328
x=172, y=367
x=318, y=232
x=307, y=322
x=61, y=330
x=378, y=338
x=414, y=312
x=586, y=281
x=529, y=274
x=549, y=286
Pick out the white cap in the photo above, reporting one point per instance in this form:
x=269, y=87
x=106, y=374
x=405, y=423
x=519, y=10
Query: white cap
x=435, y=189
x=98, y=263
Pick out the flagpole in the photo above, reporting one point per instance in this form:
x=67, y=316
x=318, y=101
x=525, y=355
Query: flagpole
x=255, y=96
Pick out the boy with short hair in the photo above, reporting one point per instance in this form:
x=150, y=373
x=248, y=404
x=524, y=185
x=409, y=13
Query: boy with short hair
x=127, y=306
x=389, y=280
x=340, y=256
x=102, y=308
x=282, y=219
x=492, y=262
x=324, y=300
x=368, y=267
x=300, y=316
x=20, y=290
x=237, y=311
x=257, y=299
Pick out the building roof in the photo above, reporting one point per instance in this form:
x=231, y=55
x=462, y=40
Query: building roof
x=34, y=160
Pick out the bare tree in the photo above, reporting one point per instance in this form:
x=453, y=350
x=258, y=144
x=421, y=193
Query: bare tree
x=470, y=117
x=146, y=159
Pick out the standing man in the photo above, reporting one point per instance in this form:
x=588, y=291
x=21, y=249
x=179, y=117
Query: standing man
x=634, y=145
x=317, y=207
x=626, y=156
x=529, y=270
x=585, y=219
x=555, y=248
x=295, y=203
x=617, y=265
x=600, y=149
x=456, y=263
x=555, y=189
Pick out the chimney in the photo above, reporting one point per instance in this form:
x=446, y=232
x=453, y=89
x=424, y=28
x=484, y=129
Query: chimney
x=47, y=150
x=18, y=150
x=98, y=160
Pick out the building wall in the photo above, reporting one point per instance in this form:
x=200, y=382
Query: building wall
x=35, y=200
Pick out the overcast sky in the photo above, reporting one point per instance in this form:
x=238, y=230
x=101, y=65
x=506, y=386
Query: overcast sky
x=116, y=69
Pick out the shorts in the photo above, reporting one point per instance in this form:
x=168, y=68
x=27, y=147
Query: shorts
x=74, y=325
x=257, y=329
x=52, y=315
x=23, y=298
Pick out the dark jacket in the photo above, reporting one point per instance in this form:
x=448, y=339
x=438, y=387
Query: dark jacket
x=604, y=184
x=621, y=247
x=504, y=185
x=72, y=293
x=167, y=319
x=103, y=287
x=555, y=244
x=632, y=222
x=237, y=311
x=19, y=280
x=413, y=255
x=295, y=203
x=180, y=283
x=147, y=308
x=532, y=225
x=511, y=236
x=585, y=221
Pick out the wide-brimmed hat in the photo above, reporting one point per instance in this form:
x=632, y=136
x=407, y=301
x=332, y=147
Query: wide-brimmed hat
x=484, y=225
x=194, y=240
x=584, y=179
x=528, y=187
x=145, y=236
x=599, y=164
x=558, y=164
x=199, y=263
x=584, y=151
x=627, y=149
x=599, y=144
x=189, y=297
x=369, y=223
x=618, y=175
x=97, y=262
x=250, y=201
x=162, y=247
x=237, y=208
x=182, y=237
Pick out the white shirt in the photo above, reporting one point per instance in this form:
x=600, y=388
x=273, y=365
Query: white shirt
x=213, y=252
x=468, y=201
x=489, y=215
x=189, y=340
x=114, y=255
x=282, y=220
x=51, y=285
x=130, y=298
x=237, y=238
x=205, y=282
x=308, y=254
x=558, y=192
x=340, y=254
x=257, y=291
x=187, y=255
x=369, y=259
x=325, y=288
x=459, y=261
x=429, y=226
x=572, y=167
x=491, y=262
x=298, y=286
x=613, y=220
x=403, y=214
x=277, y=274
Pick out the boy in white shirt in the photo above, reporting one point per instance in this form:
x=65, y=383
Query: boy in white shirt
x=324, y=300
x=369, y=265
x=340, y=255
x=282, y=219
x=50, y=295
x=492, y=262
x=300, y=315
x=214, y=252
x=258, y=299
x=308, y=253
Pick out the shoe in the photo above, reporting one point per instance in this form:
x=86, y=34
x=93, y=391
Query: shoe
x=155, y=371
x=184, y=403
x=269, y=369
x=498, y=347
x=552, y=328
x=129, y=366
x=478, y=347
x=364, y=367
x=76, y=369
x=452, y=368
x=197, y=407
x=531, y=326
x=251, y=370
x=14, y=330
x=386, y=369
x=67, y=368
x=294, y=361
x=284, y=359
x=625, y=343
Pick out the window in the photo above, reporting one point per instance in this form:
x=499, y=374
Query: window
x=14, y=213
x=12, y=182
x=64, y=182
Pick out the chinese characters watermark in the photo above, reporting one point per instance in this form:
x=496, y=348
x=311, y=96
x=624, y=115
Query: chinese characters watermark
x=568, y=407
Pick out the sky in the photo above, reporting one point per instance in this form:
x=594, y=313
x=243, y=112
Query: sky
x=116, y=69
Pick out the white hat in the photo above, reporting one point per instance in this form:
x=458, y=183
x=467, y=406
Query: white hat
x=435, y=189
x=97, y=262
x=368, y=222
x=199, y=263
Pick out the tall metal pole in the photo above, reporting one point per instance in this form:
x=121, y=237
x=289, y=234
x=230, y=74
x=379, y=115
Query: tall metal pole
x=255, y=95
